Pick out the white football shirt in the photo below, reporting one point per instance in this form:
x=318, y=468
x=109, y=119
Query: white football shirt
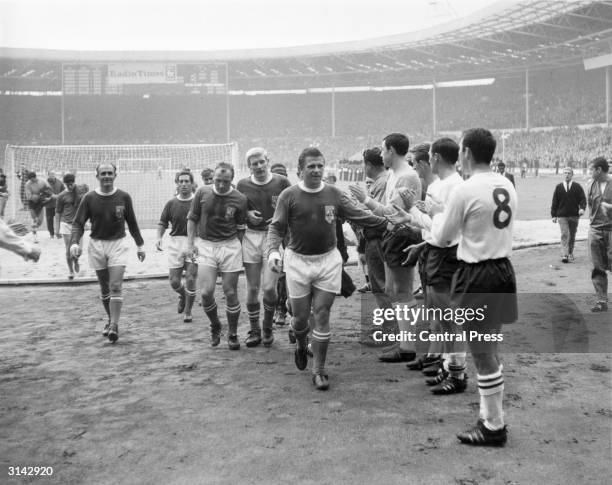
x=481, y=210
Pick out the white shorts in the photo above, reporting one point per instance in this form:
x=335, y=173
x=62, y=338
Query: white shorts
x=65, y=228
x=104, y=254
x=254, y=246
x=176, y=252
x=226, y=255
x=322, y=271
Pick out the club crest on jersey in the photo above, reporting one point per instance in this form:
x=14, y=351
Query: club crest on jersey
x=330, y=213
x=229, y=213
x=274, y=200
x=119, y=211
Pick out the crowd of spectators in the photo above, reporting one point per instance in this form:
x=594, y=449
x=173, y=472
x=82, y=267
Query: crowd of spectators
x=285, y=123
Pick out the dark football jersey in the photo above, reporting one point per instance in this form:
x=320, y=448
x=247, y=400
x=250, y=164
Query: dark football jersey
x=262, y=197
x=175, y=213
x=108, y=214
x=218, y=217
x=310, y=218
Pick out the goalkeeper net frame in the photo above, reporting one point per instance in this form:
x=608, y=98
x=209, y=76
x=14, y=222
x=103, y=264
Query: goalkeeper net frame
x=146, y=172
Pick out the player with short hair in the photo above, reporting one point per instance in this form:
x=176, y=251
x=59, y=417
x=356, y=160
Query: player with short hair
x=65, y=210
x=37, y=193
x=308, y=211
x=175, y=214
x=568, y=204
x=207, y=176
x=261, y=189
x=480, y=213
x=215, y=227
x=57, y=188
x=109, y=209
x=437, y=264
x=279, y=168
x=599, y=198
x=399, y=280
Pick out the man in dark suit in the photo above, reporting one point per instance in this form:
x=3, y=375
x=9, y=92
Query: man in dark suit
x=501, y=167
x=599, y=192
x=568, y=204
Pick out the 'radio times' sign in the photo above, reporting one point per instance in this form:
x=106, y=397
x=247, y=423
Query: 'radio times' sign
x=141, y=73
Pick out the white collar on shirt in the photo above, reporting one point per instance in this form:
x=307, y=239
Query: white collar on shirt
x=105, y=194
x=267, y=181
x=222, y=195
x=302, y=186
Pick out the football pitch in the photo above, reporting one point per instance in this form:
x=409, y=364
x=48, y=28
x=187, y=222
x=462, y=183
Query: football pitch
x=162, y=406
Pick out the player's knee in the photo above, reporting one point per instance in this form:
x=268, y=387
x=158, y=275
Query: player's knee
x=230, y=293
x=253, y=293
x=175, y=282
x=208, y=300
x=269, y=291
x=485, y=363
x=115, y=288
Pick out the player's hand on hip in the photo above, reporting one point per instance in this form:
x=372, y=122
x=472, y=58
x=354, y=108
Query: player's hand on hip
x=580, y=212
x=158, y=245
x=33, y=254
x=254, y=217
x=141, y=254
x=75, y=251
x=554, y=219
x=358, y=192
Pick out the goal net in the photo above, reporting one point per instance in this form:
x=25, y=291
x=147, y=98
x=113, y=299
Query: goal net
x=146, y=172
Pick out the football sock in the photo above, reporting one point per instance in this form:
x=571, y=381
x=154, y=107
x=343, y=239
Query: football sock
x=115, y=304
x=491, y=390
x=106, y=303
x=253, y=313
x=268, y=314
x=211, y=313
x=233, y=314
x=320, y=342
x=190, y=299
x=456, y=364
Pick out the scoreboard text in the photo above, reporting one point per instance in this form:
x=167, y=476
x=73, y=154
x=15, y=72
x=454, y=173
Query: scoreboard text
x=143, y=78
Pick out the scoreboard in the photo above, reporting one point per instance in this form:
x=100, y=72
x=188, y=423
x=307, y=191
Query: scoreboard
x=144, y=78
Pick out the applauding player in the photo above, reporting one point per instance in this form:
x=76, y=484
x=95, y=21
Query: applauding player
x=480, y=212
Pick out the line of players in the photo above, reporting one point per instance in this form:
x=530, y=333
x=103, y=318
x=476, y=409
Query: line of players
x=463, y=260
x=468, y=238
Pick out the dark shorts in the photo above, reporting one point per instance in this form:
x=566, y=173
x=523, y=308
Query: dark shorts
x=393, y=244
x=439, y=266
x=361, y=244
x=488, y=286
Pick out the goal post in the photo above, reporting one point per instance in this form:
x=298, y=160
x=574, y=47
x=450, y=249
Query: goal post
x=146, y=172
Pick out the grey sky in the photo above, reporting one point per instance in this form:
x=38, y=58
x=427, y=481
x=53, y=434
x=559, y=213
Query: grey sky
x=214, y=24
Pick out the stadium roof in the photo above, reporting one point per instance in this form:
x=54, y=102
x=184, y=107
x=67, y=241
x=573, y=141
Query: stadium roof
x=504, y=39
